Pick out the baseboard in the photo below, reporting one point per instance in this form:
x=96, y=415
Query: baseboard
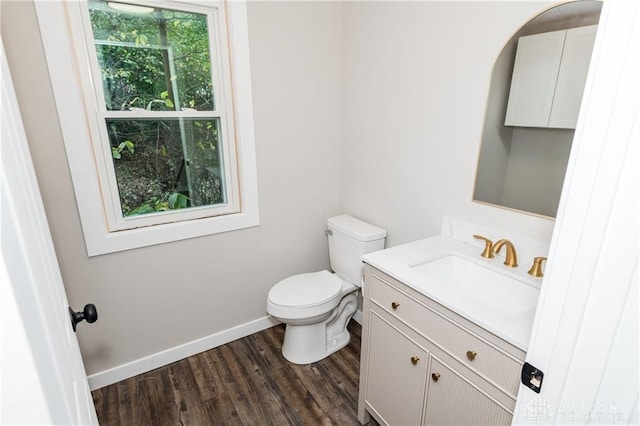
x=151, y=362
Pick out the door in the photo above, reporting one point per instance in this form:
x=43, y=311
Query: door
x=585, y=334
x=41, y=364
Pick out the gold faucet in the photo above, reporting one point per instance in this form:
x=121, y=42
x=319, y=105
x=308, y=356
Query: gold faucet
x=511, y=258
x=488, y=246
x=536, y=268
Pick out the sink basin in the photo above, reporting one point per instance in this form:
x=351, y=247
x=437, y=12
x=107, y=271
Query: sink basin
x=461, y=280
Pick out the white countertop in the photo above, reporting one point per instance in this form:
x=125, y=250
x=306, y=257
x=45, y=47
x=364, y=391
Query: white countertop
x=399, y=263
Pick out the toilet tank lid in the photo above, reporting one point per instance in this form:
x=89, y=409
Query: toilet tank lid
x=355, y=228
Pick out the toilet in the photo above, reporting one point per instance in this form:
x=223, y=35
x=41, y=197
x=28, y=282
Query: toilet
x=316, y=307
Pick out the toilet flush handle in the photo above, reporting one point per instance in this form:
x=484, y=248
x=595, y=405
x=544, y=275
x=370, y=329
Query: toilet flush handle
x=328, y=232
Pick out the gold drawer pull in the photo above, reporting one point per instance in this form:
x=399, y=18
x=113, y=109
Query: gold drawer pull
x=471, y=355
x=414, y=360
x=435, y=376
x=394, y=305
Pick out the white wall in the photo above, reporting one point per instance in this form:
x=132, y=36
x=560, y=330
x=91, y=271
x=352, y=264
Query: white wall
x=154, y=298
x=415, y=85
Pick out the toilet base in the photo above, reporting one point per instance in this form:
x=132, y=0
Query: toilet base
x=305, y=344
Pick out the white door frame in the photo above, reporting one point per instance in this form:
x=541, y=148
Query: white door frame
x=585, y=335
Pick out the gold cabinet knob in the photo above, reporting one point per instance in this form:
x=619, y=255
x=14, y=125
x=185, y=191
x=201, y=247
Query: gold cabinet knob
x=471, y=355
x=435, y=376
x=395, y=305
x=414, y=360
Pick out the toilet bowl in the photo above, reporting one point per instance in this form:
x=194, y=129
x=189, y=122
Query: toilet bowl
x=316, y=311
x=316, y=307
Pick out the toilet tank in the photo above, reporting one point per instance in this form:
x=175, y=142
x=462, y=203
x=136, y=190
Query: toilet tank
x=350, y=238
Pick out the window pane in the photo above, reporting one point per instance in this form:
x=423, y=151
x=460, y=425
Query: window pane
x=152, y=58
x=163, y=165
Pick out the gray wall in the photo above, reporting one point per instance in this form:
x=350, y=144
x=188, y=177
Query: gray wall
x=369, y=108
x=535, y=171
x=154, y=298
x=496, y=137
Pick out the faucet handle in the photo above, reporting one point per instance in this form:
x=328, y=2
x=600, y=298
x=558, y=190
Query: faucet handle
x=536, y=268
x=488, y=246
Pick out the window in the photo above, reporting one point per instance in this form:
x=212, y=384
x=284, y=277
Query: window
x=168, y=137
x=161, y=108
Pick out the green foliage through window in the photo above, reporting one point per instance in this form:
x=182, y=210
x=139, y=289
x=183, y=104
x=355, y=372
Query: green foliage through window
x=159, y=62
x=142, y=56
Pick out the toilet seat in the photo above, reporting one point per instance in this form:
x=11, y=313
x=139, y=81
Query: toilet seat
x=305, y=295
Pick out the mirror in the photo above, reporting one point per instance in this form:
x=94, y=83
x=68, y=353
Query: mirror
x=524, y=149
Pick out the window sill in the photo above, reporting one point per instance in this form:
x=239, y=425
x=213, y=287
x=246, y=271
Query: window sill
x=111, y=242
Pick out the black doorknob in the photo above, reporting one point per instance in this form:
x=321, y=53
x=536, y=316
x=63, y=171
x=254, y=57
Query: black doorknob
x=89, y=313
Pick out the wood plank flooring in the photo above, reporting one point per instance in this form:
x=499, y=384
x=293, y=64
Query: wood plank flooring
x=246, y=382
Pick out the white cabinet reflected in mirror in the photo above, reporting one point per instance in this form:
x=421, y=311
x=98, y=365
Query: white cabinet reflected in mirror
x=534, y=97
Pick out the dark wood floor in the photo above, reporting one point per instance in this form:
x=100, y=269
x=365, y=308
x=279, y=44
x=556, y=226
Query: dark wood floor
x=246, y=382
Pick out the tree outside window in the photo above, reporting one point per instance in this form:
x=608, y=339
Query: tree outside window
x=159, y=92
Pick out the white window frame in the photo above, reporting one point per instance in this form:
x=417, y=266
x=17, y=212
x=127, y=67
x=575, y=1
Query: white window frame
x=75, y=93
x=94, y=96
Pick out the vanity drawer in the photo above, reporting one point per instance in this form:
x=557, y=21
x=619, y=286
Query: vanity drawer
x=499, y=367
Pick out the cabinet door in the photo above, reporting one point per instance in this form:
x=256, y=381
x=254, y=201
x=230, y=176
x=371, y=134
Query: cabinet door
x=453, y=400
x=572, y=77
x=533, y=82
x=395, y=382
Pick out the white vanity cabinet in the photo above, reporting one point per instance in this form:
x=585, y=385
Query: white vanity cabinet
x=397, y=389
x=549, y=75
x=424, y=364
